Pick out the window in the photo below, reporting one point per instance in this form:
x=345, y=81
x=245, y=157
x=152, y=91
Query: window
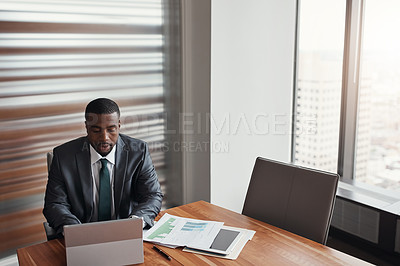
x=347, y=91
x=319, y=83
x=378, y=118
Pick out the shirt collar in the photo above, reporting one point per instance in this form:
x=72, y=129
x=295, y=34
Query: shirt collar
x=95, y=156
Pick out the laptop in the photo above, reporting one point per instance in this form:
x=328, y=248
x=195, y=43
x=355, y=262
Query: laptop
x=115, y=242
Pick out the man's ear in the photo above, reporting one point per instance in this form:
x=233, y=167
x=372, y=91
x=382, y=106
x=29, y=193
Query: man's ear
x=119, y=124
x=87, y=127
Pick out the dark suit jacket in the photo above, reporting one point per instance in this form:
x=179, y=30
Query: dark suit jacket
x=69, y=191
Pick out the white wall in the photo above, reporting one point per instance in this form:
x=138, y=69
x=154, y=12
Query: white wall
x=252, y=55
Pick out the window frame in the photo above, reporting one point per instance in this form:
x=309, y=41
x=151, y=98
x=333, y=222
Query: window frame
x=350, y=88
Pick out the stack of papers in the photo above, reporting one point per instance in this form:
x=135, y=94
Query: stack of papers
x=174, y=231
x=199, y=236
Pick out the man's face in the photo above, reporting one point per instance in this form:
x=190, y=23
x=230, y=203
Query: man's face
x=103, y=131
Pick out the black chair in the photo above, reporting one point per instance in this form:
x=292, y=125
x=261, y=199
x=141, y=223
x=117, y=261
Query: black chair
x=49, y=156
x=50, y=232
x=297, y=199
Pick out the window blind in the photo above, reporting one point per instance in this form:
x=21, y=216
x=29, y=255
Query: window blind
x=55, y=57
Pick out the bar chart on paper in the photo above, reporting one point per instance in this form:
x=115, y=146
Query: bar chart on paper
x=190, y=226
x=163, y=231
x=177, y=231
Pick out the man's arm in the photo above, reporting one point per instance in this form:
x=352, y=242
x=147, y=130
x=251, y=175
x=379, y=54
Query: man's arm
x=148, y=191
x=56, y=203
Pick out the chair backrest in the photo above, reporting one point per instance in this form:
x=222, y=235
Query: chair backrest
x=49, y=160
x=297, y=199
x=50, y=232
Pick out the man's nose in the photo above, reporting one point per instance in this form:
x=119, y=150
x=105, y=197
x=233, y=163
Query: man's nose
x=104, y=135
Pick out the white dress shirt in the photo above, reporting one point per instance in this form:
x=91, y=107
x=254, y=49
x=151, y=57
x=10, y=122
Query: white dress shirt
x=96, y=166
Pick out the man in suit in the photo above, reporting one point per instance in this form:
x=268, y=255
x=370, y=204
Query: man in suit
x=76, y=190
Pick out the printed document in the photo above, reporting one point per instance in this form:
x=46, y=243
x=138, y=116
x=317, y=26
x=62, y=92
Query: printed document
x=176, y=231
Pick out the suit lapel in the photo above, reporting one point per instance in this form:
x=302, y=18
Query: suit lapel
x=121, y=162
x=85, y=176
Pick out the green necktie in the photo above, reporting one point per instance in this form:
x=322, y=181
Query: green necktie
x=104, y=192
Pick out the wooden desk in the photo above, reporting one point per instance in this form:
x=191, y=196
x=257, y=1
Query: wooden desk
x=269, y=246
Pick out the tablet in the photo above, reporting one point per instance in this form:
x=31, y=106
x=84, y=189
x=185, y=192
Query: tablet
x=224, y=242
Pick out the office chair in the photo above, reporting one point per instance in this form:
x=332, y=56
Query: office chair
x=50, y=232
x=297, y=199
x=49, y=156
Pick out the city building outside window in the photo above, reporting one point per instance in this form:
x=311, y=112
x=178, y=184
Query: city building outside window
x=324, y=71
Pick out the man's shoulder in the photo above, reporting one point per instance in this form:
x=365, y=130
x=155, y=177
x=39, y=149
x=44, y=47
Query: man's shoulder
x=75, y=144
x=132, y=143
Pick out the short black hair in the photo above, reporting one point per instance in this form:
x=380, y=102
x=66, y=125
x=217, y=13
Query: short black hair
x=101, y=106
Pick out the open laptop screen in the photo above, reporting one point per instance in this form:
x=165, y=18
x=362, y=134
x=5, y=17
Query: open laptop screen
x=115, y=242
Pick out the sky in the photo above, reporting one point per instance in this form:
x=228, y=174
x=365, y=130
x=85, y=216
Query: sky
x=322, y=25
